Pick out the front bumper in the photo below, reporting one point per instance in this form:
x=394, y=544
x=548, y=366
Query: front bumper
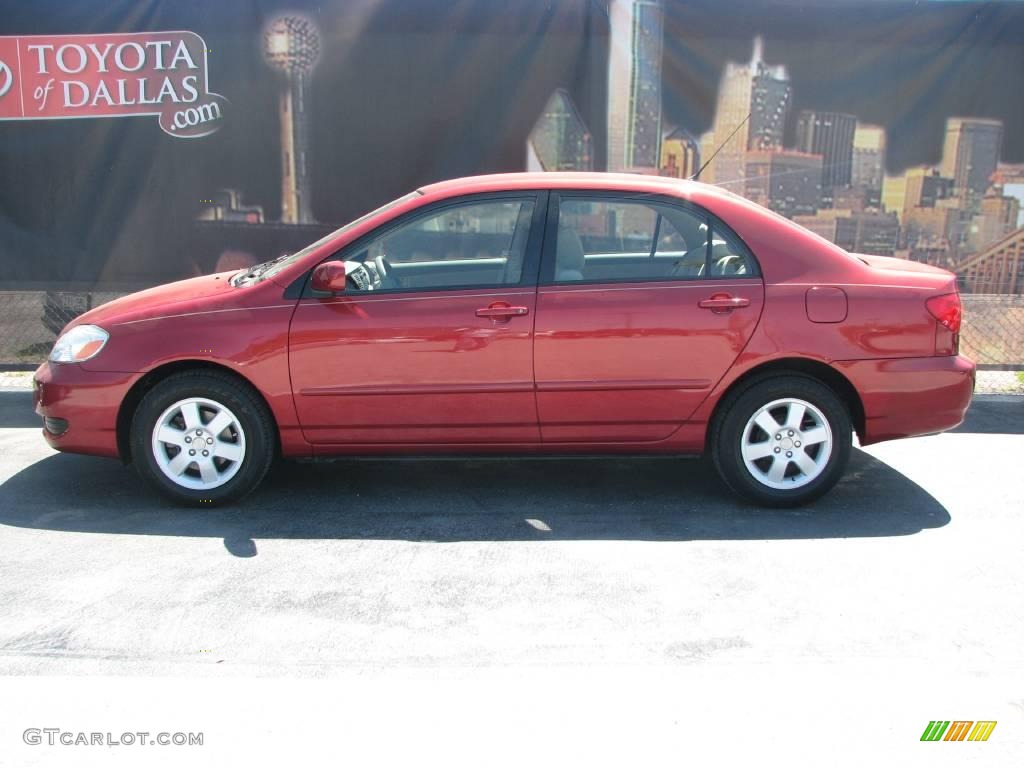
x=910, y=396
x=81, y=407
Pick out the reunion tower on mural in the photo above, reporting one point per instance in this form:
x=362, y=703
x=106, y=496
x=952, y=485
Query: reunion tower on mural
x=291, y=45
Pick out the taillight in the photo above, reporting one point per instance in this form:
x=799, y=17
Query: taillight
x=947, y=310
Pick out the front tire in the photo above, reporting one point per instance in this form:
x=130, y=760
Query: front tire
x=782, y=441
x=202, y=438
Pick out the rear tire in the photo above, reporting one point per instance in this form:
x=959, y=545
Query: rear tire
x=782, y=441
x=202, y=438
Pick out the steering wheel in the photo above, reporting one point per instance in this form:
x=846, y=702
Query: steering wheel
x=730, y=264
x=388, y=279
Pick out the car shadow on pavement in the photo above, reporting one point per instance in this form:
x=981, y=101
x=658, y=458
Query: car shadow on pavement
x=649, y=499
x=16, y=409
x=994, y=415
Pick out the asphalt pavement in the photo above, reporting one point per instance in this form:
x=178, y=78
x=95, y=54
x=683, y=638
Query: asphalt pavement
x=603, y=609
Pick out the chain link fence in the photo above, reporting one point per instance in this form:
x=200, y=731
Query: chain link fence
x=31, y=320
x=992, y=335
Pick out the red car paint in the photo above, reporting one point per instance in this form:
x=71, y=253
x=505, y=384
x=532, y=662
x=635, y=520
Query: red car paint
x=623, y=367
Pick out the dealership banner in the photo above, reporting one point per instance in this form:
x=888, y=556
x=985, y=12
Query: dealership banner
x=113, y=75
x=894, y=128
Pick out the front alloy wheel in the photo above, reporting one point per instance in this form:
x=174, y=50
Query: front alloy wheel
x=203, y=437
x=198, y=443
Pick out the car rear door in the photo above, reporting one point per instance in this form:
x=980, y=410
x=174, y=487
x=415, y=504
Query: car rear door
x=644, y=304
x=443, y=356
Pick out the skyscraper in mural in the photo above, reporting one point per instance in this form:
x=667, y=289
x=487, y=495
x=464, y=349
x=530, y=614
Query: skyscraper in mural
x=868, y=165
x=755, y=89
x=1010, y=178
x=829, y=134
x=291, y=45
x=970, y=155
x=634, y=85
x=680, y=153
x=559, y=140
x=785, y=181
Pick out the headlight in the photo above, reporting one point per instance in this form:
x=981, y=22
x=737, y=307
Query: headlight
x=80, y=343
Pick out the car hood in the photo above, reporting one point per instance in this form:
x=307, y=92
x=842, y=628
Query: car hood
x=197, y=293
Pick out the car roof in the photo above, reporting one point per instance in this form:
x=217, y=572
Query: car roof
x=632, y=182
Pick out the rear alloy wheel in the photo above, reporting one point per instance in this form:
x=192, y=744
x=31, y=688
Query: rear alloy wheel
x=786, y=443
x=202, y=438
x=783, y=441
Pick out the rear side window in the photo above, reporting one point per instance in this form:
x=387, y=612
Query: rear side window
x=604, y=239
x=727, y=257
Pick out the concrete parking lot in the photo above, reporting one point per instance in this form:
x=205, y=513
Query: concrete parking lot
x=628, y=604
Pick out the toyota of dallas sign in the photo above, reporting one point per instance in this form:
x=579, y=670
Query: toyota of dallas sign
x=117, y=75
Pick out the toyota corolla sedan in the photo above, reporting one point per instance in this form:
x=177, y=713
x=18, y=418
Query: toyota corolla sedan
x=522, y=314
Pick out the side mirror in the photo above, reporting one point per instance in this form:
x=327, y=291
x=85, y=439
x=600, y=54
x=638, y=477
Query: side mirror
x=329, y=277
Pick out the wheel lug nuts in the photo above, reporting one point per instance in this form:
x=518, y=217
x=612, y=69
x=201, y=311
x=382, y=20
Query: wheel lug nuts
x=192, y=452
x=199, y=432
x=778, y=436
x=777, y=449
x=789, y=454
x=188, y=439
x=797, y=443
x=209, y=441
x=791, y=433
x=206, y=453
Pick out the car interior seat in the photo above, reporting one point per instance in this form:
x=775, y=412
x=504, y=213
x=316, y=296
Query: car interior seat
x=569, y=257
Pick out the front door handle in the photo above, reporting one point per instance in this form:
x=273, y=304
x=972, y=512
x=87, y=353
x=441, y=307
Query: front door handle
x=502, y=312
x=723, y=302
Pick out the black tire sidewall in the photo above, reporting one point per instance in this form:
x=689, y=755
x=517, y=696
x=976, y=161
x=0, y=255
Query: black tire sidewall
x=728, y=438
x=247, y=407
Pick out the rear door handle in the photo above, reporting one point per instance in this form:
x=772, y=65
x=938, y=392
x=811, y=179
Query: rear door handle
x=723, y=302
x=502, y=311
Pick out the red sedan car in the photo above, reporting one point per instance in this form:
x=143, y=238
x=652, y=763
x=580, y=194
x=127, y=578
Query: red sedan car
x=522, y=314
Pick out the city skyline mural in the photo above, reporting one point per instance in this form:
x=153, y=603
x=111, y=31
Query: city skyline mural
x=832, y=179
x=876, y=125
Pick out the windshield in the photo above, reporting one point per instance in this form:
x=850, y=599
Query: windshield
x=272, y=267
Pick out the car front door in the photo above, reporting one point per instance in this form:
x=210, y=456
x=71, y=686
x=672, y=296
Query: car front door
x=644, y=304
x=432, y=341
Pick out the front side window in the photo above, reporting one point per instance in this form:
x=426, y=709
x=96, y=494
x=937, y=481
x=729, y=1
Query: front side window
x=459, y=246
x=272, y=268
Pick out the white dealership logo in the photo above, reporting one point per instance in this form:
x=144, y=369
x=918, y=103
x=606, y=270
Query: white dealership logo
x=121, y=74
x=6, y=79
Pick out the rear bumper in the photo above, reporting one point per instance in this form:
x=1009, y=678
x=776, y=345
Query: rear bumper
x=910, y=396
x=81, y=407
